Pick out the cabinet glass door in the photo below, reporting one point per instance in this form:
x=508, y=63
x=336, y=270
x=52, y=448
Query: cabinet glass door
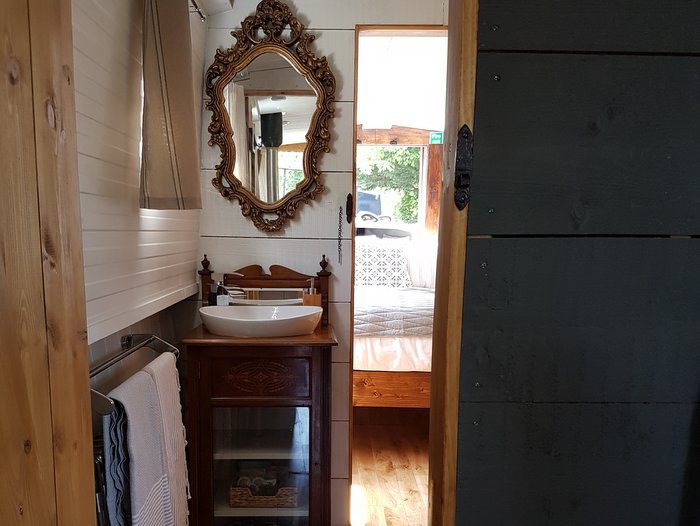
x=261, y=458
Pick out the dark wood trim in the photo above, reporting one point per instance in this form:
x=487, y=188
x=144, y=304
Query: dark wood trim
x=201, y=352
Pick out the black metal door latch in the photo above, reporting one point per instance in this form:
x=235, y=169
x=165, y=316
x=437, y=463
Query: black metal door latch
x=463, y=166
x=349, y=208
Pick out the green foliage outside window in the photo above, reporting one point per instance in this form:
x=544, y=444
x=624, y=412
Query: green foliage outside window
x=395, y=168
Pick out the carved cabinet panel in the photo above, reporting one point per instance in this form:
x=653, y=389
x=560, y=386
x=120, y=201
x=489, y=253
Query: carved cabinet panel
x=264, y=377
x=258, y=421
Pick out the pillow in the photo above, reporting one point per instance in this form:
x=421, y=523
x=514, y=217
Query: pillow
x=381, y=263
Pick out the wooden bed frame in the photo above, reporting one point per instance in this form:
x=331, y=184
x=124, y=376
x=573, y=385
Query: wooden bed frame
x=253, y=276
x=391, y=389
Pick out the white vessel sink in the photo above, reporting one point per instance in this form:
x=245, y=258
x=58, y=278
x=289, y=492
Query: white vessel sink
x=261, y=321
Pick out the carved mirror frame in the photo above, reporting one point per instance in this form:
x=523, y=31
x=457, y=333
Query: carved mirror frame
x=273, y=28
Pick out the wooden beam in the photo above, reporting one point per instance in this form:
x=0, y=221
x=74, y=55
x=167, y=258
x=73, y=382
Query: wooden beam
x=447, y=340
x=61, y=243
x=27, y=491
x=400, y=135
x=433, y=187
x=391, y=389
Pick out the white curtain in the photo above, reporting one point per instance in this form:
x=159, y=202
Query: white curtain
x=169, y=160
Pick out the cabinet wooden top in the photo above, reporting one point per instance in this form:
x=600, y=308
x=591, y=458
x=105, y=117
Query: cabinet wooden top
x=322, y=337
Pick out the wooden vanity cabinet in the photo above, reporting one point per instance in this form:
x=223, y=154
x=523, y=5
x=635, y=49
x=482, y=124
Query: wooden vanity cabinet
x=258, y=420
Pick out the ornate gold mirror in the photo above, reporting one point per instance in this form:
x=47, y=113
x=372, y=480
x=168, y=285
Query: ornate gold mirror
x=271, y=100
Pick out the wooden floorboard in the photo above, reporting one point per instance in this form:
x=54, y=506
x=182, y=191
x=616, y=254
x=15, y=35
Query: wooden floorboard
x=390, y=467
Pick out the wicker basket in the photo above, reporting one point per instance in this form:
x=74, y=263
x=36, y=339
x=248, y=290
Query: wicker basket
x=243, y=498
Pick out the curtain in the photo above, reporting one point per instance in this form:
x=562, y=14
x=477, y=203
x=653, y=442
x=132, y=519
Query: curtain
x=170, y=159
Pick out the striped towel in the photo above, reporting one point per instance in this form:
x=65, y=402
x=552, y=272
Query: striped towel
x=164, y=374
x=149, y=491
x=116, y=459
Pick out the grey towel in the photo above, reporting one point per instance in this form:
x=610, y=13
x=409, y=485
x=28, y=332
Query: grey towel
x=116, y=456
x=149, y=492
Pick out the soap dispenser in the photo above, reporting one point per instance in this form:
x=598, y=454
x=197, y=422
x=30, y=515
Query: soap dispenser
x=222, y=297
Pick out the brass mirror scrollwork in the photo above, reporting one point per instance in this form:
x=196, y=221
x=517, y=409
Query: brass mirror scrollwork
x=271, y=100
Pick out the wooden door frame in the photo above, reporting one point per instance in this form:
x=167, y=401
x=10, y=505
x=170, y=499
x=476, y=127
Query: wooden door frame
x=447, y=330
x=452, y=254
x=44, y=375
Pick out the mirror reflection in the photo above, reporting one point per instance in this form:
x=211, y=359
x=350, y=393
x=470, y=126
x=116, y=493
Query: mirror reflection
x=270, y=106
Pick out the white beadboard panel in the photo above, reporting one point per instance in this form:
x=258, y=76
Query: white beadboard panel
x=111, y=247
x=340, y=317
x=116, y=80
x=98, y=145
x=137, y=262
x=340, y=450
x=340, y=502
x=115, y=100
x=118, y=46
x=109, y=279
x=316, y=219
x=337, y=46
x=340, y=396
x=146, y=220
x=303, y=255
x=103, y=178
x=343, y=14
x=108, y=307
x=342, y=136
x=112, y=112
x=118, y=319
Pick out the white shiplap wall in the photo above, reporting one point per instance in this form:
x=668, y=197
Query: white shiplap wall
x=137, y=262
x=231, y=241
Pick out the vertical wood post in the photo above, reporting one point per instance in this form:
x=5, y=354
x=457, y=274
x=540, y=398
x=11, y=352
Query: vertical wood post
x=44, y=392
x=433, y=187
x=452, y=252
x=205, y=279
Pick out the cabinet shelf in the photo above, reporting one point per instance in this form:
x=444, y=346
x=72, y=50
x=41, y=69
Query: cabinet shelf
x=224, y=510
x=254, y=446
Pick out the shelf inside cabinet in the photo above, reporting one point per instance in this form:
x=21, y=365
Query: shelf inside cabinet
x=267, y=445
x=222, y=509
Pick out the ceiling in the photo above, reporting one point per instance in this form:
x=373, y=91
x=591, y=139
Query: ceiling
x=212, y=7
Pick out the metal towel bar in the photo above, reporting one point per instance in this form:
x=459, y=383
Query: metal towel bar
x=130, y=343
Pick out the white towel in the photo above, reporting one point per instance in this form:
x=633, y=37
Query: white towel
x=150, y=495
x=164, y=374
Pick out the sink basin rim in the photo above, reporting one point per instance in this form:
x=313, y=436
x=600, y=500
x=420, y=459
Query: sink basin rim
x=215, y=311
x=291, y=320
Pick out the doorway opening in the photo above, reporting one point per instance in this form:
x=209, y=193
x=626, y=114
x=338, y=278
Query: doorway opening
x=400, y=114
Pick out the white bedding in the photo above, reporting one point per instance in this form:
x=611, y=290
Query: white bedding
x=387, y=311
x=408, y=353
x=393, y=329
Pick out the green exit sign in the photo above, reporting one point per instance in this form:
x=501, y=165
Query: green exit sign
x=435, y=137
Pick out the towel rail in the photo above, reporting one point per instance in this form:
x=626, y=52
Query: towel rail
x=130, y=343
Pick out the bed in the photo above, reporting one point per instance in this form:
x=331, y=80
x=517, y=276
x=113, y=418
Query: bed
x=393, y=325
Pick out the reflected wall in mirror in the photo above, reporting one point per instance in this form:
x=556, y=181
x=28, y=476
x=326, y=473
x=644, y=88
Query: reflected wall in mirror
x=270, y=106
x=271, y=100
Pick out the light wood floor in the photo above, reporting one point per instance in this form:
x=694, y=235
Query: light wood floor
x=390, y=467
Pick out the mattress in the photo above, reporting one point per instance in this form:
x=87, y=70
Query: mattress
x=388, y=311
x=393, y=329
x=401, y=354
